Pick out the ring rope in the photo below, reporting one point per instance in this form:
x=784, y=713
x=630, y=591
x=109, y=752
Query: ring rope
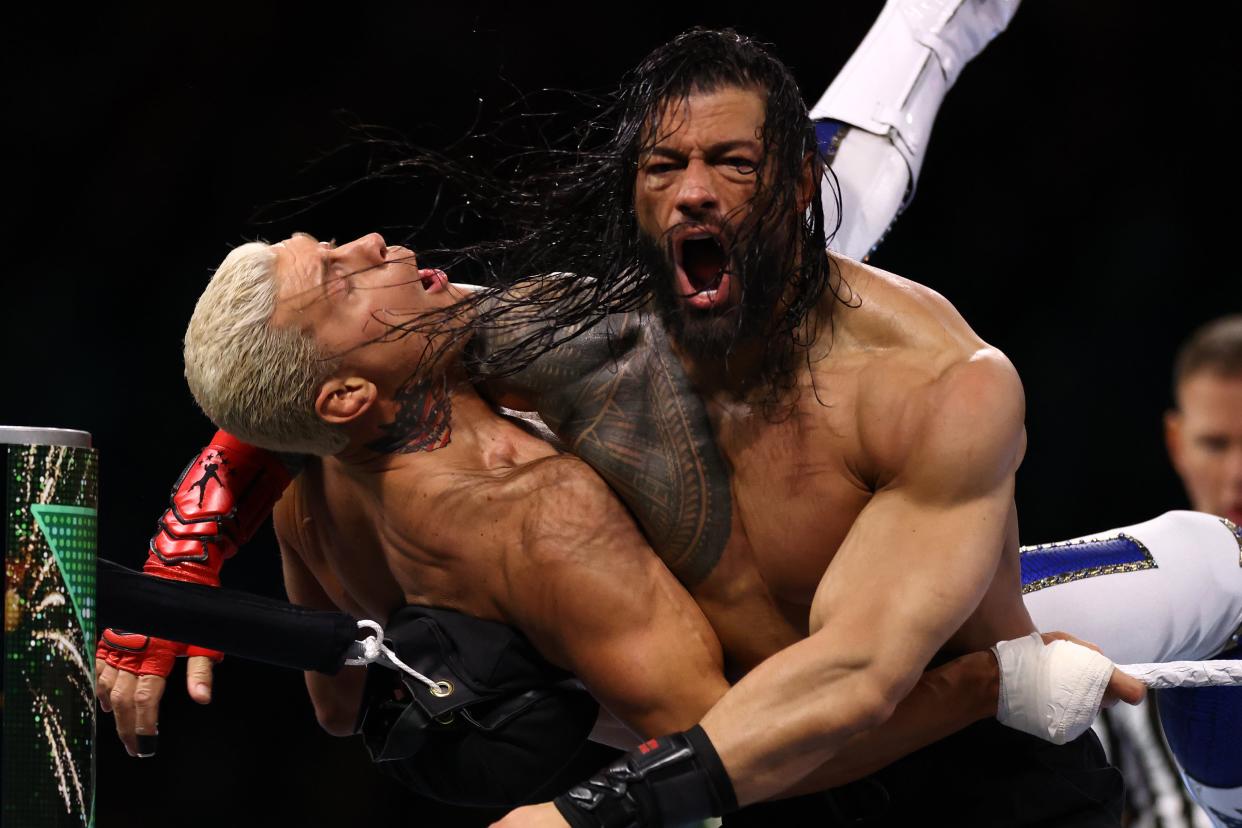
x=1186, y=673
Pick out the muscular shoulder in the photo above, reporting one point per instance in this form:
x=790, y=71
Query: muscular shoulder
x=888, y=312
x=569, y=510
x=289, y=516
x=930, y=391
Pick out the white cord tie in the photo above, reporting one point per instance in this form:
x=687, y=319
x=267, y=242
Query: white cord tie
x=373, y=649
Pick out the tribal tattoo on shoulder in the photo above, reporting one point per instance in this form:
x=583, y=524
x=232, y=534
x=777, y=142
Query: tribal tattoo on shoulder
x=423, y=421
x=619, y=399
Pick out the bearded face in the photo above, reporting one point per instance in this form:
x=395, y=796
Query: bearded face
x=715, y=239
x=689, y=272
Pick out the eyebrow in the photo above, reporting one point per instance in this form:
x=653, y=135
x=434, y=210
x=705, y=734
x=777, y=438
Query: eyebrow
x=713, y=150
x=323, y=266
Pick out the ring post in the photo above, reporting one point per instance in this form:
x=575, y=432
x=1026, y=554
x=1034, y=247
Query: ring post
x=47, y=673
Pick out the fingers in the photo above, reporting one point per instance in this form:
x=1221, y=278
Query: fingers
x=1126, y=687
x=1121, y=686
x=147, y=695
x=135, y=704
x=1057, y=635
x=122, y=699
x=198, y=679
x=105, y=678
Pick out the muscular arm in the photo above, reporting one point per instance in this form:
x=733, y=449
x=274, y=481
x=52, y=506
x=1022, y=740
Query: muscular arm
x=336, y=698
x=591, y=596
x=914, y=566
x=589, y=593
x=944, y=701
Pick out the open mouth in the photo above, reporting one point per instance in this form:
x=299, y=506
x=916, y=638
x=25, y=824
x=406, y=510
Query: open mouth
x=433, y=280
x=703, y=264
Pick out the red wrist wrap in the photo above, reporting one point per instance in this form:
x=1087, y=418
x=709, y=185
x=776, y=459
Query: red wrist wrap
x=217, y=504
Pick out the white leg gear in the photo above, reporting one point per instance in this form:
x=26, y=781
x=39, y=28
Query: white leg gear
x=892, y=87
x=1163, y=590
x=1176, y=594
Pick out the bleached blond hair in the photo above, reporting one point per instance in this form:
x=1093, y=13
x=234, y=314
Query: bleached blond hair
x=256, y=380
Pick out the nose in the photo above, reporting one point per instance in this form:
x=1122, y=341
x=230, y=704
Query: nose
x=369, y=250
x=696, y=195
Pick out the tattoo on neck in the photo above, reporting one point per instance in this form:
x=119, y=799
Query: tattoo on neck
x=423, y=421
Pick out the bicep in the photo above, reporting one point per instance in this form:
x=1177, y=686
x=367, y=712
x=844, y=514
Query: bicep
x=910, y=573
x=923, y=552
x=643, y=649
x=335, y=698
x=610, y=612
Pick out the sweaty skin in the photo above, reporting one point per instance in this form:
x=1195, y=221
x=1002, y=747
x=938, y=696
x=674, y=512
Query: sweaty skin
x=497, y=525
x=465, y=510
x=796, y=488
x=494, y=522
x=437, y=500
x=771, y=500
x=894, y=464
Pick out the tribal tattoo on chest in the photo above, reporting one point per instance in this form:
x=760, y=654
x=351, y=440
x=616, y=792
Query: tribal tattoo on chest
x=423, y=419
x=619, y=399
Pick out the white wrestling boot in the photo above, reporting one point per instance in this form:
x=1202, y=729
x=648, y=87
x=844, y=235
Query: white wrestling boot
x=890, y=92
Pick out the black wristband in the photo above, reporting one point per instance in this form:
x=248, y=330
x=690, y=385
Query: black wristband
x=717, y=776
x=669, y=781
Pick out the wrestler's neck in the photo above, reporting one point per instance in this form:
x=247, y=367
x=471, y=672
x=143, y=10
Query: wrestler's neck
x=439, y=424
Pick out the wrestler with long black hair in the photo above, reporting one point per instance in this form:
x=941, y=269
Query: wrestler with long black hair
x=758, y=316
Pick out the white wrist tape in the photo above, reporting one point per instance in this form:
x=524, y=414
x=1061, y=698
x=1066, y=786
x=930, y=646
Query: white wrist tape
x=1052, y=691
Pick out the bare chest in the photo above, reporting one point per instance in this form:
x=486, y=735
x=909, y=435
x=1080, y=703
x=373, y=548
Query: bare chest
x=376, y=551
x=796, y=493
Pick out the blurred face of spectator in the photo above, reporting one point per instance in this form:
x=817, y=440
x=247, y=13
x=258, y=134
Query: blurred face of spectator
x=1204, y=438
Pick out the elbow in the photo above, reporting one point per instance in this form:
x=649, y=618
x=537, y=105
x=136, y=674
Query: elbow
x=879, y=693
x=335, y=719
x=337, y=699
x=875, y=704
x=857, y=707
x=673, y=710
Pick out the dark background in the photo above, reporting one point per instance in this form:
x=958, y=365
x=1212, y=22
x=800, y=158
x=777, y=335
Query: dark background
x=1077, y=206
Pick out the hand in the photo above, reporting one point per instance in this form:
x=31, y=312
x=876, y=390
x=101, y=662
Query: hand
x=131, y=672
x=1121, y=686
x=1054, y=688
x=543, y=815
x=218, y=502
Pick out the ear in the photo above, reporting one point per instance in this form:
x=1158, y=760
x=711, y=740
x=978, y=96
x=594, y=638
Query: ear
x=806, y=182
x=342, y=400
x=1173, y=437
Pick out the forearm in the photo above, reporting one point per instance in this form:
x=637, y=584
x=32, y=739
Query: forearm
x=794, y=713
x=944, y=701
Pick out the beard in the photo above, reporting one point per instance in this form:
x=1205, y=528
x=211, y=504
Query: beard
x=713, y=333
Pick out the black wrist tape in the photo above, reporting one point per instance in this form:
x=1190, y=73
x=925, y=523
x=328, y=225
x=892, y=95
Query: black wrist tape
x=670, y=781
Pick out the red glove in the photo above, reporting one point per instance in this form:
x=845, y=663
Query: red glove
x=217, y=504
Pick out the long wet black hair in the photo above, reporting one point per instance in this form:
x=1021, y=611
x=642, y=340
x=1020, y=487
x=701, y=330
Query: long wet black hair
x=570, y=251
